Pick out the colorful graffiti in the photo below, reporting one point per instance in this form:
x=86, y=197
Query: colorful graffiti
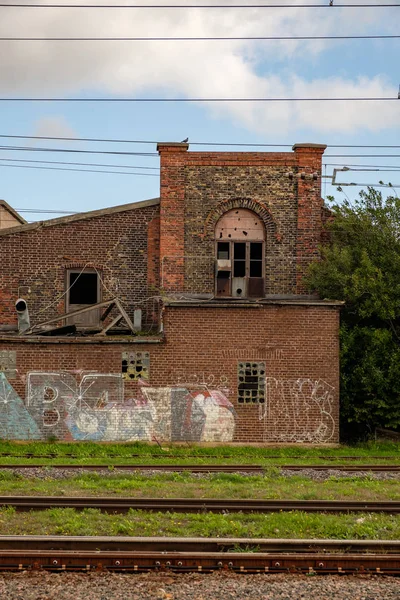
x=91, y=406
x=298, y=410
x=15, y=421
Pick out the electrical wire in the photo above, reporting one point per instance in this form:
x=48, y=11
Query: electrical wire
x=378, y=167
x=362, y=155
x=74, y=150
x=153, y=142
x=180, y=100
x=43, y=210
x=199, y=39
x=81, y=170
x=81, y=164
x=182, y=6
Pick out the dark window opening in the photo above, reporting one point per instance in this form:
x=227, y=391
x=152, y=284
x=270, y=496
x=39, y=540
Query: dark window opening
x=83, y=288
x=223, y=250
x=251, y=383
x=240, y=250
x=223, y=274
x=82, y=291
x=256, y=268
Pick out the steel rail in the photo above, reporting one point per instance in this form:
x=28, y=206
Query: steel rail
x=196, y=544
x=194, y=505
x=234, y=468
x=31, y=455
x=180, y=555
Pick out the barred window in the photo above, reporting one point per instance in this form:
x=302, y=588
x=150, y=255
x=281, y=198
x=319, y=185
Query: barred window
x=251, y=382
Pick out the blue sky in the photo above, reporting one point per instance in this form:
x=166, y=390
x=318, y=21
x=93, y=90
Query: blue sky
x=358, y=68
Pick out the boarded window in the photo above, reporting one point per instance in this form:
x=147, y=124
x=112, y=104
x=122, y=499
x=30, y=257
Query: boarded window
x=251, y=382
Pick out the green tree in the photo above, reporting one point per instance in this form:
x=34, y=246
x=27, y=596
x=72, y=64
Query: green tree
x=361, y=265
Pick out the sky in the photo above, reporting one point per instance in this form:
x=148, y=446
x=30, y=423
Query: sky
x=189, y=69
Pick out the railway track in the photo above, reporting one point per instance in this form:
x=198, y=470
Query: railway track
x=249, y=468
x=182, y=555
x=196, y=505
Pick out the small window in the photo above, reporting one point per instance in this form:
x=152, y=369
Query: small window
x=223, y=251
x=251, y=382
x=83, y=288
x=135, y=365
x=82, y=291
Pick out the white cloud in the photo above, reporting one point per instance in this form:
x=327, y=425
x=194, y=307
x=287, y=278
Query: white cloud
x=53, y=126
x=197, y=69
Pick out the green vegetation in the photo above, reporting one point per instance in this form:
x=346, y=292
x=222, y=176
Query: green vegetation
x=221, y=485
x=361, y=266
x=67, y=521
x=137, y=452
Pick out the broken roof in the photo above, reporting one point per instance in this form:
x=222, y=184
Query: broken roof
x=77, y=216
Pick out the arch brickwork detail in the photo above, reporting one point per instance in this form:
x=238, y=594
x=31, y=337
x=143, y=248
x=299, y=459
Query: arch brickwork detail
x=260, y=209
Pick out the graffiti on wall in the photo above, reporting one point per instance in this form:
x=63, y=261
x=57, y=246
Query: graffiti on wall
x=202, y=378
x=15, y=421
x=91, y=407
x=8, y=363
x=298, y=410
x=57, y=401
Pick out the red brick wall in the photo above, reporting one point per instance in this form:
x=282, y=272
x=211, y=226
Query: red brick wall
x=201, y=351
x=34, y=262
x=283, y=188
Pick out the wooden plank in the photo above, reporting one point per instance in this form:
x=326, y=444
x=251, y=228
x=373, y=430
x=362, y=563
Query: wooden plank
x=115, y=321
x=72, y=314
x=125, y=315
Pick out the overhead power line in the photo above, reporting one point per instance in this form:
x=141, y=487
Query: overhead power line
x=180, y=100
x=73, y=150
x=392, y=168
x=362, y=155
x=81, y=170
x=57, y=162
x=199, y=39
x=153, y=142
x=43, y=210
x=190, y=6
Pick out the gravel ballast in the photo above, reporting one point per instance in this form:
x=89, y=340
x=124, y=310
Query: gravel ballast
x=219, y=586
x=47, y=473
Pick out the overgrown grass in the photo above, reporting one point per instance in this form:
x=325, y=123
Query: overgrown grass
x=90, y=452
x=219, y=485
x=59, y=521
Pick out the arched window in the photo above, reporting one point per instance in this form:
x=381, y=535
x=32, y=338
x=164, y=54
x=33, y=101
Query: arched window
x=240, y=242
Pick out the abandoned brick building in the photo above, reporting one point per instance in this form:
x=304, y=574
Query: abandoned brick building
x=182, y=318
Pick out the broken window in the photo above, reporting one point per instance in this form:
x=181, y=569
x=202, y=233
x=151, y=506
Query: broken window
x=240, y=254
x=83, y=290
x=135, y=365
x=251, y=382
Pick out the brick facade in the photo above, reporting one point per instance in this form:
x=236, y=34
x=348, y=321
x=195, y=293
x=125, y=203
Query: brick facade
x=218, y=370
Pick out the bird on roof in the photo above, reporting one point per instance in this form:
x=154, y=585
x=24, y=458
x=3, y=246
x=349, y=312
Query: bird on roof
x=185, y=141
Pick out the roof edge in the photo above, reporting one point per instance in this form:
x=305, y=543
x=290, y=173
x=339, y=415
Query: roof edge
x=81, y=216
x=13, y=212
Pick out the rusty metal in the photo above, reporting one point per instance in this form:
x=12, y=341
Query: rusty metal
x=179, y=544
x=182, y=562
x=234, y=468
x=195, y=505
x=139, y=467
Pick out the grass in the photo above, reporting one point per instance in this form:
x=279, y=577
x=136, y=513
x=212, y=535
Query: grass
x=272, y=485
x=219, y=485
x=90, y=452
x=297, y=525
